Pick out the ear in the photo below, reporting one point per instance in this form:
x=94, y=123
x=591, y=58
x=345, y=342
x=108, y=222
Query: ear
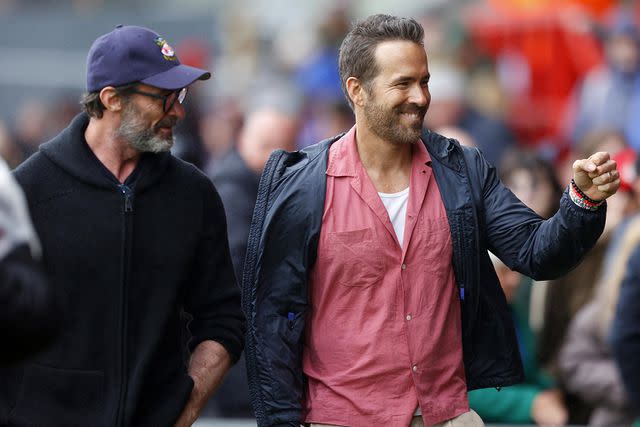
x=356, y=91
x=111, y=99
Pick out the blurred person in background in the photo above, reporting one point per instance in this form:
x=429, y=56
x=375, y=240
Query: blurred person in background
x=540, y=50
x=236, y=176
x=324, y=119
x=586, y=361
x=136, y=239
x=458, y=134
x=188, y=144
x=30, y=309
x=625, y=330
x=346, y=232
x=31, y=125
x=565, y=296
x=609, y=96
x=537, y=400
x=268, y=126
x=451, y=109
x=532, y=179
x=9, y=151
x=219, y=128
x=325, y=112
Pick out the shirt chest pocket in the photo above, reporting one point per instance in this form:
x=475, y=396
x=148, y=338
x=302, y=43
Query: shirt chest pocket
x=435, y=236
x=354, y=258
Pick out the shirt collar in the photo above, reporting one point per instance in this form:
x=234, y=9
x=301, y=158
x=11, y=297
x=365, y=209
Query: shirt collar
x=344, y=157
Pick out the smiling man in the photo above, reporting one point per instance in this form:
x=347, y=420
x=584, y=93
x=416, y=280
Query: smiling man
x=136, y=241
x=369, y=293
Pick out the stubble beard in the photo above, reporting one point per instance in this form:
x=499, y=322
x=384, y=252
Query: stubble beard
x=140, y=136
x=386, y=123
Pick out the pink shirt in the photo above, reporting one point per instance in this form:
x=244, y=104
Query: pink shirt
x=384, y=330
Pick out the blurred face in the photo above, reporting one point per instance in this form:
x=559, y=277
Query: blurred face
x=263, y=132
x=623, y=53
x=145, y=126
x=534, y=191
x=398, y=98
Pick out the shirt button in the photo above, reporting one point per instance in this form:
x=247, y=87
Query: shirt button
x=409, y=317
x=403, y=266
x=415, y=368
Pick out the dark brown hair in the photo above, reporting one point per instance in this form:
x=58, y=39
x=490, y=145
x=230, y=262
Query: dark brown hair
x=357, y=52
x=92, y=105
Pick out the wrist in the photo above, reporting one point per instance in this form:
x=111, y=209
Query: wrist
x=581, y=199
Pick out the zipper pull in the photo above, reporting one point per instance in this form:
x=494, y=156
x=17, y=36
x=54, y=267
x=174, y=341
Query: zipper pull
x=127, y=194
x=290, y=318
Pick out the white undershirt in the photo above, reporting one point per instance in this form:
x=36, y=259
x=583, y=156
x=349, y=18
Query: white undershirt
x=396, y=205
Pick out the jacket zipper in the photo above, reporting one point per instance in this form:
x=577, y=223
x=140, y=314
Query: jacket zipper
x=127, y=211
x=248, y=277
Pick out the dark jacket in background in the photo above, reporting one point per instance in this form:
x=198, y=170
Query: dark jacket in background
x=29, y=305
x=29, y=309
x=626, y=329
x=483, y=215
x=136, y=263
x=238, y=189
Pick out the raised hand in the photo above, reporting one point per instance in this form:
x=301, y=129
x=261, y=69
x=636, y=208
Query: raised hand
x=597, y=177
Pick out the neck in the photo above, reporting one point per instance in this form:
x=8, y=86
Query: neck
x=116, y=155
x=387, y=164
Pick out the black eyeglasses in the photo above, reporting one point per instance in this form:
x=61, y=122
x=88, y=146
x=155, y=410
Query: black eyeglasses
x=168, y=100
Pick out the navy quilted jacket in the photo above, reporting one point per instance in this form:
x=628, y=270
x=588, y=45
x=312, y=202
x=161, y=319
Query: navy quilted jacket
x=483, y=215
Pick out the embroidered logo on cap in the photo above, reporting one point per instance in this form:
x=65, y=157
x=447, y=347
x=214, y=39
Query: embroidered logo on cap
x=167, y=51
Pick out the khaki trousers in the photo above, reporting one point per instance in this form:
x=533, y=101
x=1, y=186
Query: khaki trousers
x=468, y=419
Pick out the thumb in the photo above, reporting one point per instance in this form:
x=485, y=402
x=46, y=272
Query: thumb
x=584, y=166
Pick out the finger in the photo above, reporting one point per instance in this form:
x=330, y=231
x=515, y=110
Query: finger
x=599, y=158
x=610, y=187
x=608, y=166
x=606, y=177
x=584, y=165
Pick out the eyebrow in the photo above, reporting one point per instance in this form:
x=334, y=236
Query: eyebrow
x=407, y=78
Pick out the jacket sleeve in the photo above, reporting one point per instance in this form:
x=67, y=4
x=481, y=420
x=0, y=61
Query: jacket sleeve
x=213, y=297
x=540, y=249
x=626, y=328
x=586, y=365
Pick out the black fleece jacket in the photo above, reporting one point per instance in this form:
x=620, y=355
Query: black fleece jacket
x=145, y=269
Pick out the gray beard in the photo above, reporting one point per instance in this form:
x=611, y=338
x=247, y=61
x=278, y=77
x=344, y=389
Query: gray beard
x=143, y=139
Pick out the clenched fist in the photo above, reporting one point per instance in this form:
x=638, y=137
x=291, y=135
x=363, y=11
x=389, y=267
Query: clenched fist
x=597, y=177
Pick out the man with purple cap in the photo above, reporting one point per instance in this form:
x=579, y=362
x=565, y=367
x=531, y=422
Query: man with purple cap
x=136, y=241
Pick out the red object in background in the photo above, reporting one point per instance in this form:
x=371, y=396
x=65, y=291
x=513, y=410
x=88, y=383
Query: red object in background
x=626, y=160
x=529, y=8
x=194, y=52
x=554, y=41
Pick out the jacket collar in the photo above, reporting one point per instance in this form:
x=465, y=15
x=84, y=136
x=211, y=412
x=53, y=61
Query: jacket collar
x=70, y=151
x=446, y=150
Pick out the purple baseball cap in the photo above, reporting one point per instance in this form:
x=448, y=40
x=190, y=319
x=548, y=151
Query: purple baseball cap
x=131, y=54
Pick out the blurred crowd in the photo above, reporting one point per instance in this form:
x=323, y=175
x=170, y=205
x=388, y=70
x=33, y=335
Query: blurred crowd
x=534, y=85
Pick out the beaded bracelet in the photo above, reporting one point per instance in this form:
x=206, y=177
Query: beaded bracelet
x=579, y=198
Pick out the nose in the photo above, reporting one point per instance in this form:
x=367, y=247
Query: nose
x=420, y=95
